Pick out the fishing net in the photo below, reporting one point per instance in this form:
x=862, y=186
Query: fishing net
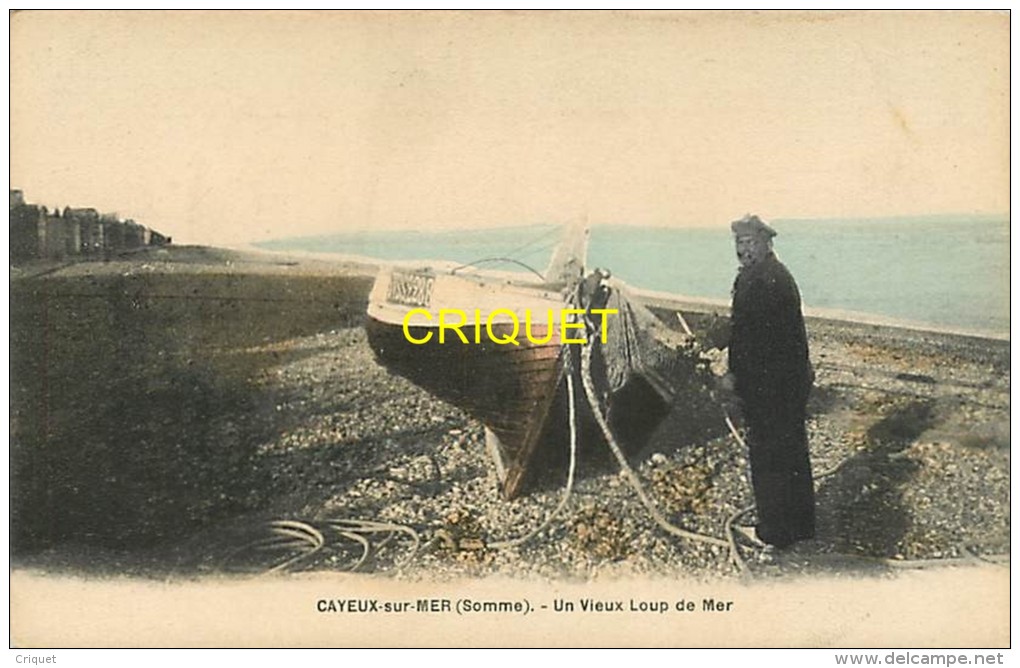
x=642, y=361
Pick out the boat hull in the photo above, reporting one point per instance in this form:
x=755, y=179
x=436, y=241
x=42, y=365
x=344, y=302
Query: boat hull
x=510, y=389
x=517, y=390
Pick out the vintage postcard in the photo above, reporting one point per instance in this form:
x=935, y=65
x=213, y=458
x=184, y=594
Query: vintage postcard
x=510, y=329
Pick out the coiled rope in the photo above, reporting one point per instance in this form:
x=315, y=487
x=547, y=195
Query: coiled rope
x=309, y=540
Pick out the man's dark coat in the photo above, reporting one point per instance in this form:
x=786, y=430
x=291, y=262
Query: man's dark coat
x=768, y=356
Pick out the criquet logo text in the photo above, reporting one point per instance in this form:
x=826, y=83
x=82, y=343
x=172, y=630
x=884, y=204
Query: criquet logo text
x=571, y=322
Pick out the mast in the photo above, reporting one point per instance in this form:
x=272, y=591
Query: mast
x=566, y=267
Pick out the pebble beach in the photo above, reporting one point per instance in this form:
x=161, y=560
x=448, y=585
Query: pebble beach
x=176, y=413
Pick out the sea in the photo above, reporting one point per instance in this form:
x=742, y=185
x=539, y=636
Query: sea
x=939, y=272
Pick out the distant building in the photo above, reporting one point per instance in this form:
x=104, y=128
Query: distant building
x=63, y=237
x=80, y=232
x=91, y=229
x=28, y=229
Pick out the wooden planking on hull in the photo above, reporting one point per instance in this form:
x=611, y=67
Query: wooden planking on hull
x=508, y=388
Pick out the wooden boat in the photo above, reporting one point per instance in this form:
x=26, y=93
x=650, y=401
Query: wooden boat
x=516, y=391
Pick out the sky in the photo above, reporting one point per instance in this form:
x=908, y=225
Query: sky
x=228, y=128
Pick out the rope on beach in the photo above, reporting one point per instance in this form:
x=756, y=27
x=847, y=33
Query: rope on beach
x=995, y=559
x=728, y=526
x=629, y=473
x=309, y=540
x=625, y=468
x=355, y=528
x=308, y=537
x=833, y=470
x=366, y=547
x=735, y=557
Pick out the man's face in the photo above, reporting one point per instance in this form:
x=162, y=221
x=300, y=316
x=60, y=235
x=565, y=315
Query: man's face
x=751, y=248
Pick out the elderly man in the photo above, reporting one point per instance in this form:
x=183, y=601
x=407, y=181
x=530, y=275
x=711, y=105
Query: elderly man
x=771, y=375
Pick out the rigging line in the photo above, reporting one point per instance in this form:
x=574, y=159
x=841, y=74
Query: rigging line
x=541, y=249
x=542, y=236
x=498, y=259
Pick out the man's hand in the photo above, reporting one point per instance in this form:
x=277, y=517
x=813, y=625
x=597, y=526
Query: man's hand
x=726, y=394
x=716, y=332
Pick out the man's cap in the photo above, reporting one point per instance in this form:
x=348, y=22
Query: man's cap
x=752, y=225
